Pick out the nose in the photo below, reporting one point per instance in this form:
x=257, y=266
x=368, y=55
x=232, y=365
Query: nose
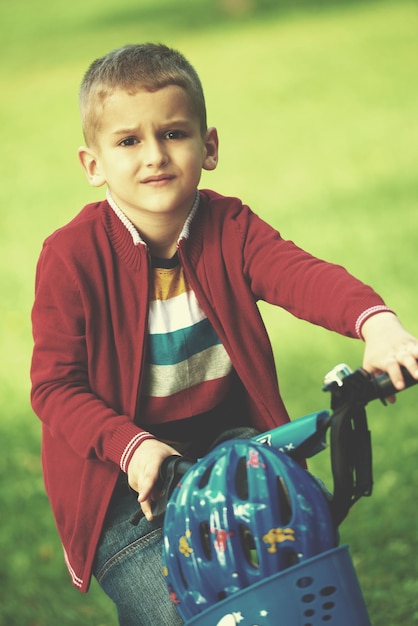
x=155, y=154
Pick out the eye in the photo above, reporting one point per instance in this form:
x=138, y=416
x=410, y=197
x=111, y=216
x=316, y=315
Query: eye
x=129, y=141
x=174, y=134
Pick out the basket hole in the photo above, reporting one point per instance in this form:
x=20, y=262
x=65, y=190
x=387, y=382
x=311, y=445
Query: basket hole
x=308, y=597
x=304, y=582
x=328, y=591
x=309, y=613
x=327, y=606
x=327, y=618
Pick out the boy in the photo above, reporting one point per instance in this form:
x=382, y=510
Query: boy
x=148, y=340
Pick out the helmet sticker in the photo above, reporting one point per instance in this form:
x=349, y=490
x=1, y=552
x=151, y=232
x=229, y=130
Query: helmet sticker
x=221, y=537
x=278, y=535
x=184, y=547
x=254, y=460
x=230, y=620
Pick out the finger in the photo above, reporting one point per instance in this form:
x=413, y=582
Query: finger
x=146, y=483
x=408, y=358
x=395, y=374
x=412, y=367
x=146, y=506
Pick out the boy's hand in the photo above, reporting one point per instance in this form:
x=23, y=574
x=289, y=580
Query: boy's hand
x=388, y=346
x=143, y=472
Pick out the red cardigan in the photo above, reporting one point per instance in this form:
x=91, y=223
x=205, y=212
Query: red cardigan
x=90, y=324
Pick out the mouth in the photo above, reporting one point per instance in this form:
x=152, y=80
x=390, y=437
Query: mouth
x=158, y=180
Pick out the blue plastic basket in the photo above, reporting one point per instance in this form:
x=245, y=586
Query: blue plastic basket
x=320, y=591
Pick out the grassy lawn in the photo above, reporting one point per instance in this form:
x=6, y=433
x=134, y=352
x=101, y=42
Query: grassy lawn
x=316, y=106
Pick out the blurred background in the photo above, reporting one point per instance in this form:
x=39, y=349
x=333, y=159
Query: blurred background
x=316, y=106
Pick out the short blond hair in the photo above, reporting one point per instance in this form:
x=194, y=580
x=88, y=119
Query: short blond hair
x=146, y=66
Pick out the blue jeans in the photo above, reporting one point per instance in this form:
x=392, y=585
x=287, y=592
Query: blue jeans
x=128, y=566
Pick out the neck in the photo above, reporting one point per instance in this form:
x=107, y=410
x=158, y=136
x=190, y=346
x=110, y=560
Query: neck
x=163, y=249
x=160, y=232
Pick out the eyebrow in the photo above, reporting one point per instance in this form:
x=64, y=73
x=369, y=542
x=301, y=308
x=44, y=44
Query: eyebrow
x=125, y=131
x=168, y=124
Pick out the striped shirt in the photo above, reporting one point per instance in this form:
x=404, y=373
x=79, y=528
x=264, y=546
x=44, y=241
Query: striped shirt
x=188, y=373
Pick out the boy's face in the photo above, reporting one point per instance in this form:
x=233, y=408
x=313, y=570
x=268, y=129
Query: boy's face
x=150, y=152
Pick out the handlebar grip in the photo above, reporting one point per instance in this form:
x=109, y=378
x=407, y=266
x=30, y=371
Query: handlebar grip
x=360, y=387
x=172, y=470
x=385, y=387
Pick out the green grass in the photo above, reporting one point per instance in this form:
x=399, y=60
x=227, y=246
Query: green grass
x=315, y=103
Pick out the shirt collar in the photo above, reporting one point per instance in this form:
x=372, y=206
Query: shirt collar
x=136, y=237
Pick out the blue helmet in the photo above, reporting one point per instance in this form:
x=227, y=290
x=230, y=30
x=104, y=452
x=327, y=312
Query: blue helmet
x=241, y=514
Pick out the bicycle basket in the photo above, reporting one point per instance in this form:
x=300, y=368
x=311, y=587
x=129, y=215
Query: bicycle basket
x=322, y=590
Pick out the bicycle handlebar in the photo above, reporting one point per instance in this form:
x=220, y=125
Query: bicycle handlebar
x=350, y=438
x=361, y=387
x=385, y=386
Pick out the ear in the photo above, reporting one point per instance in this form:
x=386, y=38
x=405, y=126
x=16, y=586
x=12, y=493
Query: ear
x=211, y=144
x=90, y=163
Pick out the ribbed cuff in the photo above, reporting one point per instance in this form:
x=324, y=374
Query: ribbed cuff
x=132, y=446
x=374, y=310
x=124, y=441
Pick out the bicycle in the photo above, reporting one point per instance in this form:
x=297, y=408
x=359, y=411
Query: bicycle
x=322, y=588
